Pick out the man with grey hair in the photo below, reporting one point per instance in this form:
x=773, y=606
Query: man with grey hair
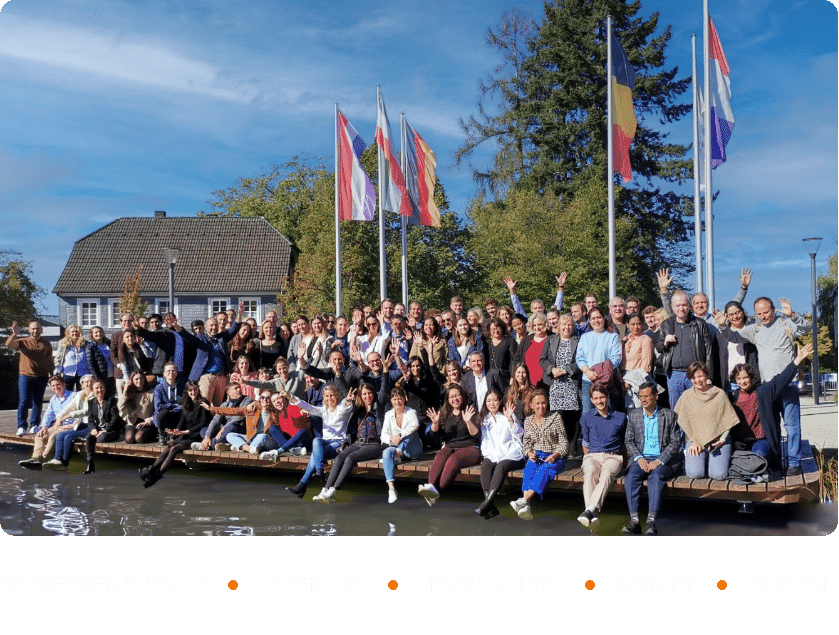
x=684, y=339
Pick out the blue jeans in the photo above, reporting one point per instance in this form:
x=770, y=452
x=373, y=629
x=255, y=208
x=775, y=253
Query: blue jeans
x=64, y=442
x=790, y=408
x=299, y=440
x=709, y=464
x=30, y=392
x=635, y=477
x=260, y=441
x=321, y=450
x=761, y=447
x=677, y=383
x=411, y=448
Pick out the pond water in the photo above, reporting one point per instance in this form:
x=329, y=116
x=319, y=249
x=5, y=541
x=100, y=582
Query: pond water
x=187, y=502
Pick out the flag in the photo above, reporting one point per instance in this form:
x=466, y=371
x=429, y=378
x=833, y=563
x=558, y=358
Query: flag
x=392, y=184
x=624, y=124
x=421, y=178
x=699, y=155
x=722, y=117
x=356, y=195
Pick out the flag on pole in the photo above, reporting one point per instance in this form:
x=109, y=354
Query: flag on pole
x=722, y=117
x=356, y=195
x=394, y=193
x=624, y=124
x=700, y=140
x=421, y=177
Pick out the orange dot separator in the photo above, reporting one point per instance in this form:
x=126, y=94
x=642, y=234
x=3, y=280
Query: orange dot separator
x=233, y=585
x=590, y=584
x=392, y=585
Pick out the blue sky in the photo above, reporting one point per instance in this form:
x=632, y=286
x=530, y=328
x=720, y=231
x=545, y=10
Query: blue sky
x=113, y=109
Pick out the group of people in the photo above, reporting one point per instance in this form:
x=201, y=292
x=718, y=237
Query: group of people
x=650, y=390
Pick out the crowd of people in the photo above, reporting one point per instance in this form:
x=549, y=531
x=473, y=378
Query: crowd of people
x=646, y=391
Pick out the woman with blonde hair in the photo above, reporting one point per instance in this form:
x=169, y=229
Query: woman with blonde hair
x=70, y=357
x=136, y=405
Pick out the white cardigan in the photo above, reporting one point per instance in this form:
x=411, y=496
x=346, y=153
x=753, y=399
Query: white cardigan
x=410, y=424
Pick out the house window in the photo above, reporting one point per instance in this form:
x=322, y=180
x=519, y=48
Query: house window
x=163, y=306
x=115, y=313
x=251, y=306
x=88, y=314
x=217, y=305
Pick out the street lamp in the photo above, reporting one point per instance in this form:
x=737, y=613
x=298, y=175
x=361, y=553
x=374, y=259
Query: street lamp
x=171, y=257
x=813, y=248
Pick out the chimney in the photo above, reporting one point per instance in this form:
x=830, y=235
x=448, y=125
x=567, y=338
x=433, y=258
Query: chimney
x=160, y=214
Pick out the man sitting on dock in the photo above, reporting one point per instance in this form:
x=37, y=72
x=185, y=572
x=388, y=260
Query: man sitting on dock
x=45, y=435
x=653, y=439
x=215, y=438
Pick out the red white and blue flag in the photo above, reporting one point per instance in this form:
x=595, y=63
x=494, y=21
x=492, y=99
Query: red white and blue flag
x=722, y=117
x=421, y=179
x=356, y=195
x=392, y=181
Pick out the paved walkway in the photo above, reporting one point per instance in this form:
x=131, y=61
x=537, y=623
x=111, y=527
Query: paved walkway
x=820, y=424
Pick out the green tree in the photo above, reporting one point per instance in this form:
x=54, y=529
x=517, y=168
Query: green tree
x=553, y=108
x=299, y=200
x=20, y=297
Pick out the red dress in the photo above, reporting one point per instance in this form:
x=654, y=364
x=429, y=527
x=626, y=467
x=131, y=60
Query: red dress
x=531, y=359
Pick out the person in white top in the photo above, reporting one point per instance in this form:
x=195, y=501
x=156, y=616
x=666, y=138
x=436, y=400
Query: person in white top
x=326, y=445
x=501, y=447
x=400, y=432
x=373, y=340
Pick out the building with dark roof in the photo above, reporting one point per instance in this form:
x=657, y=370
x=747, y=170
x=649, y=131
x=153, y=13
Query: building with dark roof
x=221, y=261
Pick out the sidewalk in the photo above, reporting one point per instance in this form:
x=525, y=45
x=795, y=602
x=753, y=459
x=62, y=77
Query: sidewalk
x=820, y=424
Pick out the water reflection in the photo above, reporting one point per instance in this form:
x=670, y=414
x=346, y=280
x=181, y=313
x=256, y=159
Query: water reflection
x=218, y=503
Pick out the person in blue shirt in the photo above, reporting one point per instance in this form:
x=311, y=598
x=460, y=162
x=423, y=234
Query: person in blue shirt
x=603, y=432
x=653, y=441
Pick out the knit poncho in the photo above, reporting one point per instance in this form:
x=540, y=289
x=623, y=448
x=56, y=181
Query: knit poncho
x=705, y=416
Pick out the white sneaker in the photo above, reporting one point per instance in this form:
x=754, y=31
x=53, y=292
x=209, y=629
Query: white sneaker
x=518, y=504
x=254, y=449
x=21, y=431
x=298, y=451
x=32, y=430
x=391, y=496
x=524, y=512
x=319, y=497
x=329, y=497
x=50, y=465
x=429, y=493
x=195, y=446
x=271, y=455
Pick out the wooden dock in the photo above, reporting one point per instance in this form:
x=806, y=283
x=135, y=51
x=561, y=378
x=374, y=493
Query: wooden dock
x=787, y=490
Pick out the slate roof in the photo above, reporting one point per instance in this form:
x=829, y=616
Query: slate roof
x=219, y=255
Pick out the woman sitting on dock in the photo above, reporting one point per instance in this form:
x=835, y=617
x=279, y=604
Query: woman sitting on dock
x=105, y=424
x=501, y=447
x=136, y=406
x=327, y=442
x=707, y=417
x=244, y=374
x=461, y=443
x=545, y=446
x=193, y=419
x=400, y=438
x=66, y=433
x=292, y=431
x=365, y=429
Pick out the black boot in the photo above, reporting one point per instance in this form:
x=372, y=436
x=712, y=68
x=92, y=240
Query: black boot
x=485, y=506
x=154, y=476
x=298, y=490
x=322, y=475
x=144, y=473
x=91, y=468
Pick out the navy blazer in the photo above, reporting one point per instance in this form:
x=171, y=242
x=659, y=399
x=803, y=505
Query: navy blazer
x=467, y=382
x=202, y=345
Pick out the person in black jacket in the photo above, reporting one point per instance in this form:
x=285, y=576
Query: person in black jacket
x=684, y=339
x=193, y=419
x=104, y=421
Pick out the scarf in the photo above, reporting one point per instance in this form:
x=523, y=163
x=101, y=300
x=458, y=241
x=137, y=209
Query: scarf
x=705, y=416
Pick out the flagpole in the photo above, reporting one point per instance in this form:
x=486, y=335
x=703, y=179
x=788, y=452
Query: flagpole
x=404, y=165
x=382, y=176
x=709, y=192
x=611, y=160
x=337, y=221
x=697, y=200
